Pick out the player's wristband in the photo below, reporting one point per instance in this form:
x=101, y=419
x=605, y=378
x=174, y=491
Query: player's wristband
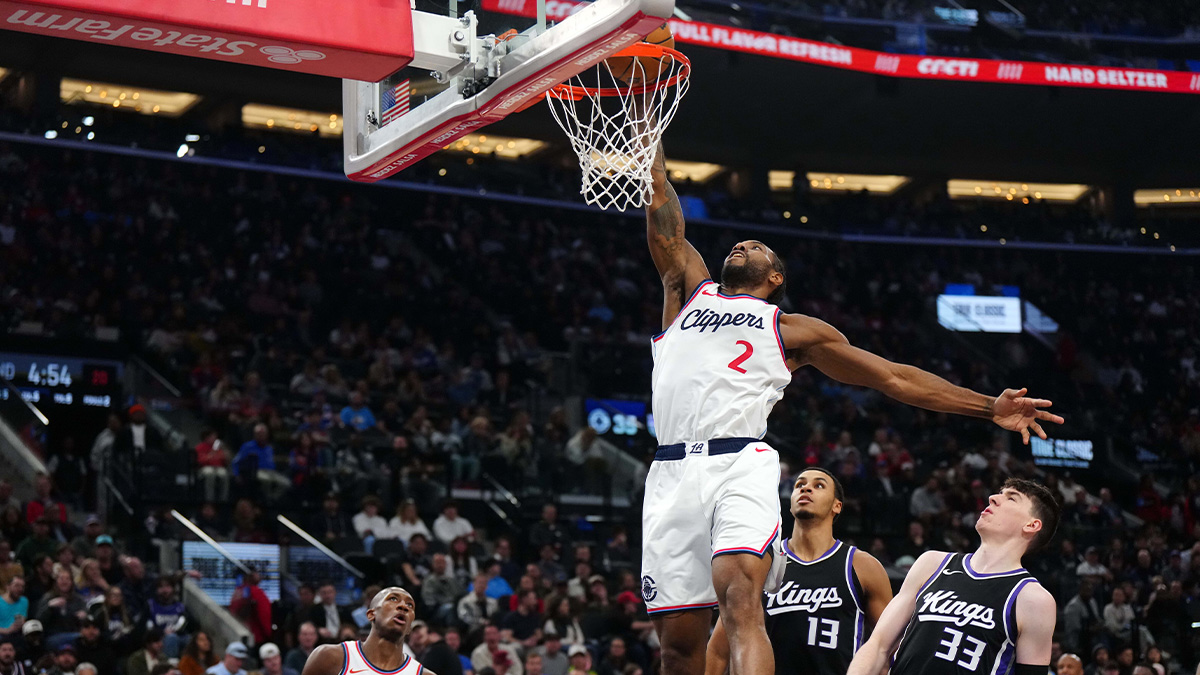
x=1026, y=669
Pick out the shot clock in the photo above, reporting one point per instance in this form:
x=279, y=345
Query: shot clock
x=47, y=379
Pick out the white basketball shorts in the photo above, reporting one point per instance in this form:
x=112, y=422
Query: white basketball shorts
x=706, y=499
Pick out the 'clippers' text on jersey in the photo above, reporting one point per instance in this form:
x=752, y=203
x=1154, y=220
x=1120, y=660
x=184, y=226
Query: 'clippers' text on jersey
x=719, y=368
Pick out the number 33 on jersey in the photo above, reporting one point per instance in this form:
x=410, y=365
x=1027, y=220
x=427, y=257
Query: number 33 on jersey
x=719, y=368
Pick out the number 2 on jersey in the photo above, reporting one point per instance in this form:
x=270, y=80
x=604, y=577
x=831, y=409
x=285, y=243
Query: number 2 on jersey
x=736, y=364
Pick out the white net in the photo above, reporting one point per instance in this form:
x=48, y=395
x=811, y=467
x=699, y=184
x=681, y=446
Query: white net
x=615, y=114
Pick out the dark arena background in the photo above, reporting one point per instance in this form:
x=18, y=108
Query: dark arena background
x=240, y=393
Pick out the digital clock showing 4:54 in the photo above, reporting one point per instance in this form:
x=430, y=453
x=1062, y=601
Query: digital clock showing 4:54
x=60, y=372
x=49, y=374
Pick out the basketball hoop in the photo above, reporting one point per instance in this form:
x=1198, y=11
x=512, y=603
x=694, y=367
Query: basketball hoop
x=616, y=119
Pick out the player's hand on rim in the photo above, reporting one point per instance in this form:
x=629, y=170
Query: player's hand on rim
x=1014, y=411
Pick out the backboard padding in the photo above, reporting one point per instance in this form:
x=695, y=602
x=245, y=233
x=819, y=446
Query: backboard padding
x=537, y=63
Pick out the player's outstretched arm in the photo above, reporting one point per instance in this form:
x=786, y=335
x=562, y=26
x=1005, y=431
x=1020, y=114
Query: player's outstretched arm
x=876, y=585
x=716, y=660
x=1036, y=614
x=814, y=342
x=325, y=660
x=872, y=657
x=679, y=264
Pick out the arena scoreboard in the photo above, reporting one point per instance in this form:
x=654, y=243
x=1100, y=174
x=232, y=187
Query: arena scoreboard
x=57, y=379
x=617, y=417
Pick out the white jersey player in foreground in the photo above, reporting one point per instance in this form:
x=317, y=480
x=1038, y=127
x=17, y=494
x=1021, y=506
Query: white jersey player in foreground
x=391, y=613
x=710, y=525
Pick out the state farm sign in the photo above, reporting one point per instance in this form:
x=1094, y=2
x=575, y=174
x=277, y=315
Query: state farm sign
x=366, y=40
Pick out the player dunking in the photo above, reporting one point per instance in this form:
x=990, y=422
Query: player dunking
x=391, y=614
x=711, y=518
x=832, y=593
x=979, y=613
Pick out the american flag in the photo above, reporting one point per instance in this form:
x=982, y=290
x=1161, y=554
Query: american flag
x=395, y=102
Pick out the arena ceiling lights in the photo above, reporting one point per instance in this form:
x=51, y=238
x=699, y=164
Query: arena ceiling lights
x=696, y=172
x=1166, y=197
x=839, y=182
x=275, y=118
x=961, y=188
x=504, y=147
x=135, y=99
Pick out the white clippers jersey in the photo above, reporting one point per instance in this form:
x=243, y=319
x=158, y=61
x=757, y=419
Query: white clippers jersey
x=719, y=368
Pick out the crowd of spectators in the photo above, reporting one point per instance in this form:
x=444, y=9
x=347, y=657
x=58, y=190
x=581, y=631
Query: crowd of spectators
x=304, y=330
x=72, y=602
x=354, y=354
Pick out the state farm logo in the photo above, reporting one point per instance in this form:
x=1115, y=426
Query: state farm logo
x=887, y=64
x=289, y=56
x=132, y=35
x=948, y=67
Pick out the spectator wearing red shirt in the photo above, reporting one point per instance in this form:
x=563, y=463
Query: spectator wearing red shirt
x=1150, y=506
x=36, y=507
x=213, y=461
x=252, y=607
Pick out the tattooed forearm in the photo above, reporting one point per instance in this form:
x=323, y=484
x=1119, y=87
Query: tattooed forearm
x=668, y=218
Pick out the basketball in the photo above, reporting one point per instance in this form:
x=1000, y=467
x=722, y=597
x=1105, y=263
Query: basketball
x=624, y=69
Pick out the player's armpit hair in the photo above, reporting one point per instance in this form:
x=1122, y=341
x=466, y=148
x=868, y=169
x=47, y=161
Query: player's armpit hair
x=1027, y=669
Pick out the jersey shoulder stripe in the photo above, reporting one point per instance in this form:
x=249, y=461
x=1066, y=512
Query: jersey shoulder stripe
x=850, y=578
x=779, y=337
x=1010, y=609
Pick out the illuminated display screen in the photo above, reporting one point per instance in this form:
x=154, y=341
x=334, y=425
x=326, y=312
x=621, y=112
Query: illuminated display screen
x=45, y=379
x=221, y=577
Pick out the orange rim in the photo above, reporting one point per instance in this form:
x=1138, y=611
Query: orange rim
x=640, y=49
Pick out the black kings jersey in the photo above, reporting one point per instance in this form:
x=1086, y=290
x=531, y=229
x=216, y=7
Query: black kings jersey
x=815, y=621
x=964, y=623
